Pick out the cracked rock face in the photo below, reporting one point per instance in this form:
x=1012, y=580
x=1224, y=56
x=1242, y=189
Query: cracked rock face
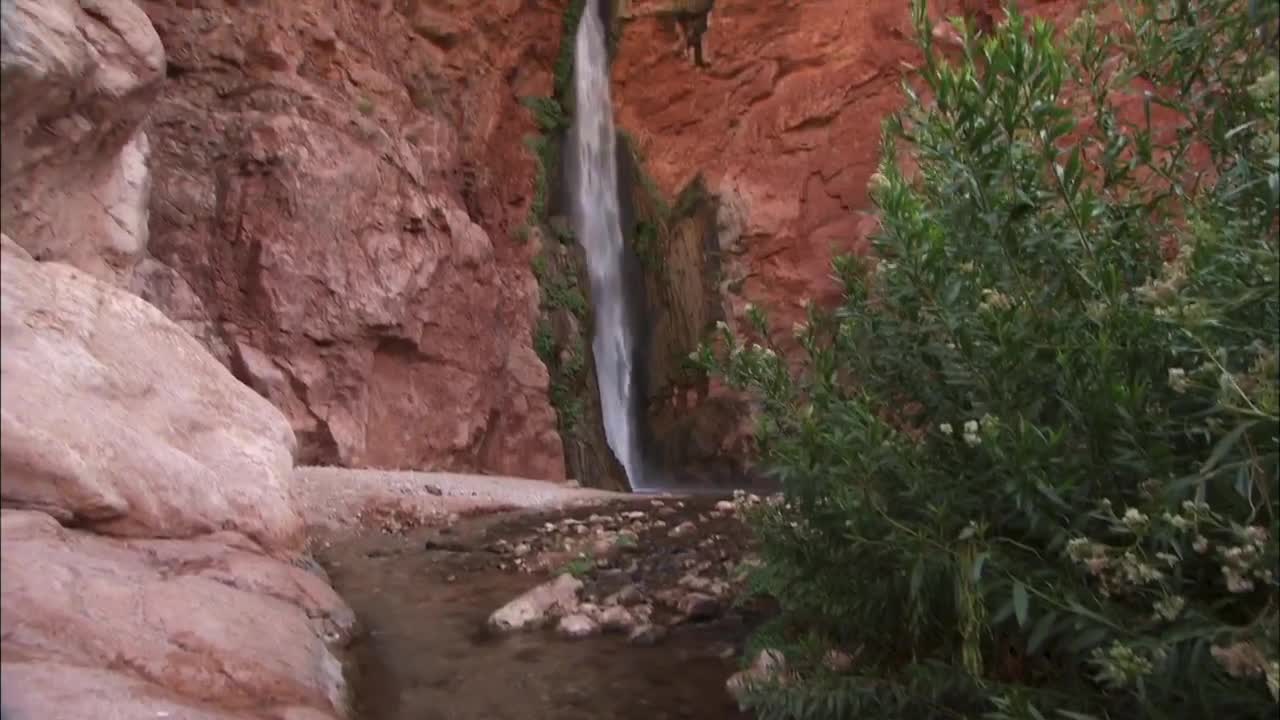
x=208, y=629
x=336, y=193
x=782, y=120
x=77, y=78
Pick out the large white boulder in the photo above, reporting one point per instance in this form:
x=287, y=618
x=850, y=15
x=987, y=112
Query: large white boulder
x=115, y=419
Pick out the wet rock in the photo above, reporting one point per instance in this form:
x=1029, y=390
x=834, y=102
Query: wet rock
x=535, y=607
x=684, y=529
x=725, y=506
x=616, y=619
x=702, y=584
x=628, y=596
x=699, y=606
x=669, y=597
x=577, y=626
x=646, y=635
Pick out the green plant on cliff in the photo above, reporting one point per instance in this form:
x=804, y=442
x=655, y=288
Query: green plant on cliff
x=1031, y=463
x=557, y=280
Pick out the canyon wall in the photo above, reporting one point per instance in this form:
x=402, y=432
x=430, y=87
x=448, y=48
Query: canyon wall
x=154, y=561
x=336, y=190
x=772, y=110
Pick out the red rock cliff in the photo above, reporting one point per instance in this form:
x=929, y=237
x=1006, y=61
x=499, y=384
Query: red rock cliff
x=335, y=189
x=778, y=104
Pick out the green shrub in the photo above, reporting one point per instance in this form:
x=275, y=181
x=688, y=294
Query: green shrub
x=547, y=113
x=1030, y=464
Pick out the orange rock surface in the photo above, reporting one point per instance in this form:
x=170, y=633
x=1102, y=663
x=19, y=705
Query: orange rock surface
x=336, y=191
x=782, y=119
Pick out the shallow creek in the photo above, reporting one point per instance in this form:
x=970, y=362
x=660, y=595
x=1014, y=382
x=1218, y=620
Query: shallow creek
x=424, y=652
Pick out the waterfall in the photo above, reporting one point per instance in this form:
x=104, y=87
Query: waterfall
x=597, y=224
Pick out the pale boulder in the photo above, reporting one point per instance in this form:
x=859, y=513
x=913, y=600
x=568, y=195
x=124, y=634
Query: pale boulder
x=78, y=81
x=196, y=624
x=115, y=419
x=554, y=598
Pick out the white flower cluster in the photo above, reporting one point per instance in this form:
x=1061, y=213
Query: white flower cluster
x=973, y=429
x=1241, y=564
x=1118, y=573
x=1121, y=665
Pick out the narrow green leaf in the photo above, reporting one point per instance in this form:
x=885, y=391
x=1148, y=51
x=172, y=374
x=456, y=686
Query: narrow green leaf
x=1044, y=626
x=978, y=562
x=917, y=578
x=1020, y=602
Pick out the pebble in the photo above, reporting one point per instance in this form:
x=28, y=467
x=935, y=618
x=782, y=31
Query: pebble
x=616, y=619
x=629, y=595
x=724, y=506
x=683, y=529
x=699, y=606
x=577, y=626
x=645, y=635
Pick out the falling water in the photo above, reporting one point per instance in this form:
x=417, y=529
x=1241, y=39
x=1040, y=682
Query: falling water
x=598, y=227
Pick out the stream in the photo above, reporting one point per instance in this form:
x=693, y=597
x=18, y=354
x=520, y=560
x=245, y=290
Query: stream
x=424, y=651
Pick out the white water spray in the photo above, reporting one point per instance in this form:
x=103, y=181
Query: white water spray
x=598, y=227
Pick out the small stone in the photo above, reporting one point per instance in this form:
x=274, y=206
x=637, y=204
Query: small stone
x=432, y=489
x=577, y=626
x=657, y=503
x=683, y=529
x=699, y=606
x=558, y=596
x=724, y=506
x=634, y=515
x=616, y=619
x=628, y=596
x=645, y=635
x=521, y=550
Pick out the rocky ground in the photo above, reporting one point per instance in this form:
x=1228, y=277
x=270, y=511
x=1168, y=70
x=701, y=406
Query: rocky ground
x=638, y=568
x=628, y=608
x=337, y=500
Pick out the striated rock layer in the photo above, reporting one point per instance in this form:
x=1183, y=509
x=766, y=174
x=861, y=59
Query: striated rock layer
x=336, y=191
